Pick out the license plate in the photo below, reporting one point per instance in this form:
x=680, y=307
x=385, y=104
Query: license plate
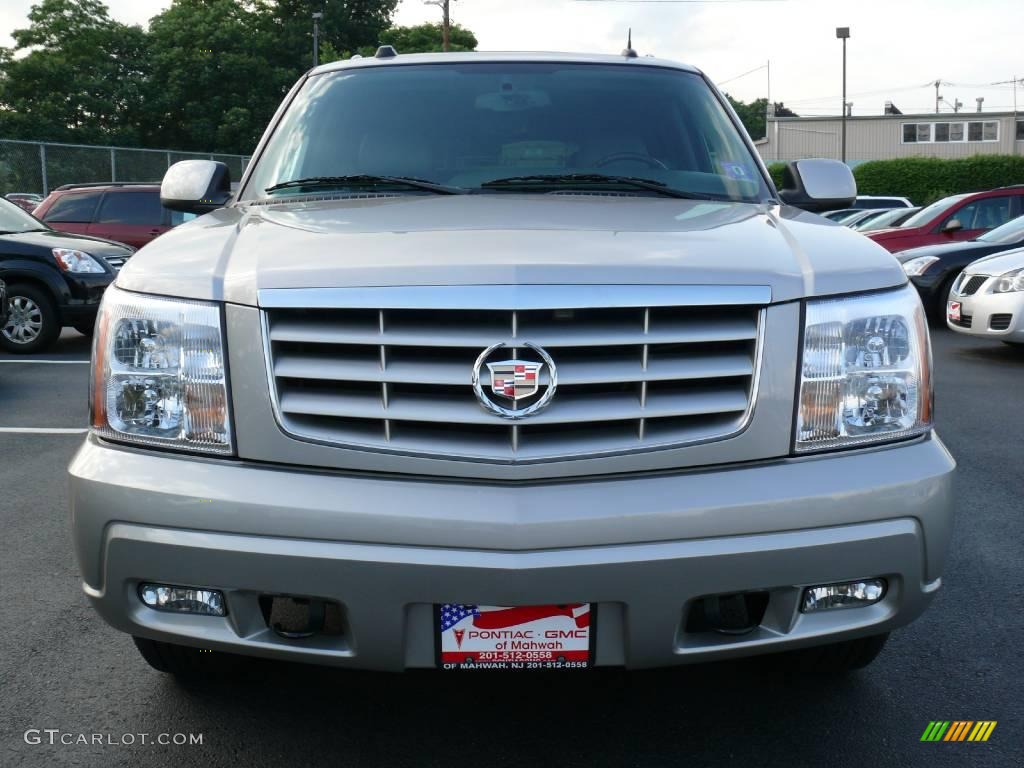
x=521, y=637
x=953, y=310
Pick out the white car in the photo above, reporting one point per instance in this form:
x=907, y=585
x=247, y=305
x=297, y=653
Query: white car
x=988, y=298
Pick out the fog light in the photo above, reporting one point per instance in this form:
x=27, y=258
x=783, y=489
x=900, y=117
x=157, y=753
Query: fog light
x=850, y=594
x=165, y=597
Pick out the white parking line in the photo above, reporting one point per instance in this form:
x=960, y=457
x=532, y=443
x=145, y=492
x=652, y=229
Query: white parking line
x=50, y=362
x=44, y=430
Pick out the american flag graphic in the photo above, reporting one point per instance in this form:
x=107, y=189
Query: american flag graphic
x=453, y=613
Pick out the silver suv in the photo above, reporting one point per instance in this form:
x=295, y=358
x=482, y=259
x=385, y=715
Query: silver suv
x=510, y=362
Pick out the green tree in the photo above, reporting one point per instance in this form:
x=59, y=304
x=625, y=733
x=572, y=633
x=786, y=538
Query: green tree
x=753, y=115
x=74, y=74
x=212, y=84
x=427, y=38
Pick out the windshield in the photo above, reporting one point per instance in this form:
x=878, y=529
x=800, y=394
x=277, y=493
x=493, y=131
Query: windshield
x=465, y=124
x=933, y=211
x=1010, y=232
x=14, y=219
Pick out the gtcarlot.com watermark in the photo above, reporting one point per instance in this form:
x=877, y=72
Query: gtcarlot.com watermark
x=55, y=737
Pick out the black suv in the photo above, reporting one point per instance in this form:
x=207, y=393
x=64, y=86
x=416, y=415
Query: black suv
x=53, y=279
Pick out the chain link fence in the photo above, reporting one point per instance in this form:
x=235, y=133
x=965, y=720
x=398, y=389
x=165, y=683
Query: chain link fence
x=31, y=166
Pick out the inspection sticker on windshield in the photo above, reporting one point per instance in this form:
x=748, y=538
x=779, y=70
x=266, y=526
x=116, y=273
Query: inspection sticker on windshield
x=524, y=637
x=953, y=311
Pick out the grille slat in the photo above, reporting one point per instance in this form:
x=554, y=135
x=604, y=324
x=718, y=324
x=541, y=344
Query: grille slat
x=629, y=378
x=679, y=332
x=453, y=373
x=464, y=410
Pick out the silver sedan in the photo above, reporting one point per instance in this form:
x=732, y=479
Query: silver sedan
x=988, y=298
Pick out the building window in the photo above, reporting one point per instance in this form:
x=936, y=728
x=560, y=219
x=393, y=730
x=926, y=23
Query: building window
x=1020, y=130
x=979, y=130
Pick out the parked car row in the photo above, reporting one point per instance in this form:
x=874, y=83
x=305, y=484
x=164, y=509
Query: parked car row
x=53, y=279
x=963, y=253
x=128, y=213
x=987, y=298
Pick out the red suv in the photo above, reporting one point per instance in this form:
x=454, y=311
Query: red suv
x=126, y=212
x=960, y=217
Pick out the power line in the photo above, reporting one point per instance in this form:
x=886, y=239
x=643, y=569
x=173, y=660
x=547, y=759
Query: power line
x=737, y=77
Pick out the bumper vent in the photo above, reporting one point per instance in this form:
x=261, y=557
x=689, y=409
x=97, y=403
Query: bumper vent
x=629, y=378
x=1000, y=322
x=965, y=321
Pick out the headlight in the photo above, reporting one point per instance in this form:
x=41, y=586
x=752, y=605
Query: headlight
x=918, y=266
x=159, y=373
x=70, y=260
x=866, y=371
x=1010, y=282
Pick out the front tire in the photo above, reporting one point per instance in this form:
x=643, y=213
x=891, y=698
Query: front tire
x=178, y=660
x=839, y=658
x=33, y=323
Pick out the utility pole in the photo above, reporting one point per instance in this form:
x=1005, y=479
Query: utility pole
x=446, y=22
x=938, y=96
x=843, y=33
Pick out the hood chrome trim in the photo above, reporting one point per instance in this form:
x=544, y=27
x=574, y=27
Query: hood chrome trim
x=515, y=297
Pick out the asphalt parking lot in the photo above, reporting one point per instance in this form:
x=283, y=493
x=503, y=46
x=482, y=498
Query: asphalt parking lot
x=62, y=668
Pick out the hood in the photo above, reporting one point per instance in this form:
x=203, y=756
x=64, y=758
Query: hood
x=999, y=263
x=970, y=249
x=233, y=253
x=45, y=239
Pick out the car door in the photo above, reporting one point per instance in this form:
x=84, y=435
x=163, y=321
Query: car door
x=979, y=216
x=130, y=216
x=73, y=211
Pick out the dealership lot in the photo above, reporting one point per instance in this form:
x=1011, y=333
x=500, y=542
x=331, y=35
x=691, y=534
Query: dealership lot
x=62, y=668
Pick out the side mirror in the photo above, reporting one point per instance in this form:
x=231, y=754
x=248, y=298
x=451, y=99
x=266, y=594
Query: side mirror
x=952, y=225
x=196, y=186
x=818, y=185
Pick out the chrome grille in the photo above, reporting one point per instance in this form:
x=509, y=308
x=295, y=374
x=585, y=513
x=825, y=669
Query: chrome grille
x=629, y=377
x=115, y=262
x=969, y=284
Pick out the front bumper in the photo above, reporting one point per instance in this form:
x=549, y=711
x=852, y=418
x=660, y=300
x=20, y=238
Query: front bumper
x=988, y=314
x=642, y=548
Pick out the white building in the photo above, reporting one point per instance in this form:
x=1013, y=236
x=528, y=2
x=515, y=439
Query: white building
x=884, y=137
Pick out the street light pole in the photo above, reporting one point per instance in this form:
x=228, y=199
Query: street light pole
x=843, y=33
x=316, y=38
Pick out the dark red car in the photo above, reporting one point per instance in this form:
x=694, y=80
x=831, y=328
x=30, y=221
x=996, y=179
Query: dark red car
x=129, y=213
x=959, y=217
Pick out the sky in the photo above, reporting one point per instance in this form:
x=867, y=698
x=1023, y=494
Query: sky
x=897, y=48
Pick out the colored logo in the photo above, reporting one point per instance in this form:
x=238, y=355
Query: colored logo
x=959, y=730
x=459, y=634
x=516, y=380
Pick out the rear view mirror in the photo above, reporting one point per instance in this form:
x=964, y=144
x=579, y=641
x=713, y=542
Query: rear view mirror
x=196, y=186
x=818, y=185
x=952, y=225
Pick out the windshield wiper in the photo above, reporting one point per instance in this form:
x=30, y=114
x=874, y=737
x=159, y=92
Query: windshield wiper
x=589, y=179
x=366, y=180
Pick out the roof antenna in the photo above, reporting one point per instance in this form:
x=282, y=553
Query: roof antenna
x=628, y=51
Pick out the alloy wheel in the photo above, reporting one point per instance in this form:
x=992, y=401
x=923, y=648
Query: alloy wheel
x=25, y=322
